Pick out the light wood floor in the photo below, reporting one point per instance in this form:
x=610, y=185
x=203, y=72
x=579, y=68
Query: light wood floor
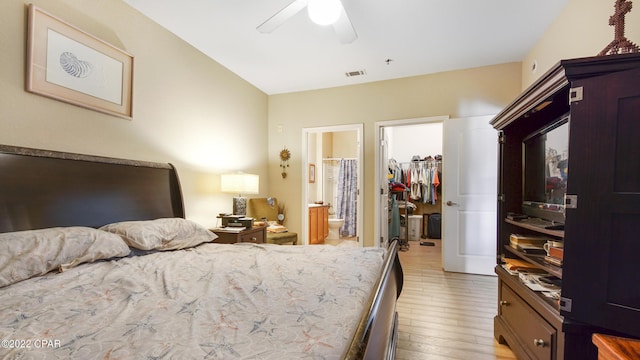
x=445, y=315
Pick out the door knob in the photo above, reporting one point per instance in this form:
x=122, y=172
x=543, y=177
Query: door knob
x=451, y=203
x=539, y=342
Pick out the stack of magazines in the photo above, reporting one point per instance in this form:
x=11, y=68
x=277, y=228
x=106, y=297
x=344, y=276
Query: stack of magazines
x=530, y=244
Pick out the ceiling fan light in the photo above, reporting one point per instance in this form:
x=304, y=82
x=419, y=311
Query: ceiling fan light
x=324, y=12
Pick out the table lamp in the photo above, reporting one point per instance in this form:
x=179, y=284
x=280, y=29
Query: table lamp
x=239, y=183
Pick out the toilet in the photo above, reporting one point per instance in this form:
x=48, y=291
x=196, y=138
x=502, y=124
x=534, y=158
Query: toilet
x=334, y=228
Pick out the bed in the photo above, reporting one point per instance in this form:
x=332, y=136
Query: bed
x=97, y=260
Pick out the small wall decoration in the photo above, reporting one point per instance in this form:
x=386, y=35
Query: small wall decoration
x=620, y=44
x=281, y=213
x=312, y=173
x=285, y=155
x=67, y=64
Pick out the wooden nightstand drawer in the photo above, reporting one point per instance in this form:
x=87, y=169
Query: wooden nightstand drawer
x=256, y=234
x=533, y=331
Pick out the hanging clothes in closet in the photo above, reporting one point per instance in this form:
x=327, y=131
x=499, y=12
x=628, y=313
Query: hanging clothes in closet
x=395, y=171
x=394, y=225
x=416, y=178
x=431, y=185
x=423, y=178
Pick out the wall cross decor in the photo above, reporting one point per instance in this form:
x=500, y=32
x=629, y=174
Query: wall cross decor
x=620, y=44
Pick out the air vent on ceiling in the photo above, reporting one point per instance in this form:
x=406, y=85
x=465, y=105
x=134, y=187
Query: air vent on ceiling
x=355, y=73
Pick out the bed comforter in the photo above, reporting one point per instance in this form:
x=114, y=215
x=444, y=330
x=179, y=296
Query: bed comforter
x=214, y=301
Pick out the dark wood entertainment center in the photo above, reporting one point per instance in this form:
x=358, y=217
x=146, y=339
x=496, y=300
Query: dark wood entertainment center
x=601, y=264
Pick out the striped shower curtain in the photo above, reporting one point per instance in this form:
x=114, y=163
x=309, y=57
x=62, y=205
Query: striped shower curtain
x=347, y=196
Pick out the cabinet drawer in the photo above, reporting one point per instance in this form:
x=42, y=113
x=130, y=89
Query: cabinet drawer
x=534, y=332
x=253, y=236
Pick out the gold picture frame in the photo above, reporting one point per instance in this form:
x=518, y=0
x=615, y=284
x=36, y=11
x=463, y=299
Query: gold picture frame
x=312, y=173
x=70, y=65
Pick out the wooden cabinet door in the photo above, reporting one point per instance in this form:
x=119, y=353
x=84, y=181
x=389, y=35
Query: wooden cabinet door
x=601, y=267
x=313, y=226
x=325, y=222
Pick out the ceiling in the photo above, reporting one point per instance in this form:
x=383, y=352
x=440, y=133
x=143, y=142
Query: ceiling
x=417, y=37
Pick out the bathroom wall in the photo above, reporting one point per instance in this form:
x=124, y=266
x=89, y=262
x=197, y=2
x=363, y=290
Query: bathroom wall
x=344, y=144
x=331, y=170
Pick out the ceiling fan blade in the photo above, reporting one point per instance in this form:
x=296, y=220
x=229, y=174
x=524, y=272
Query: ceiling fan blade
x=344, y=29
x=281, y=16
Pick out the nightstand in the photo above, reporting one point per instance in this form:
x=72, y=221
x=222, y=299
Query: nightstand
x=256, y=234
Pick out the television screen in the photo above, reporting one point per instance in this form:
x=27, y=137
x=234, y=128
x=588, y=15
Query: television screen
x=546, y=156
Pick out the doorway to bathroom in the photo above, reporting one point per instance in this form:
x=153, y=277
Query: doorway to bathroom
x=333, y=176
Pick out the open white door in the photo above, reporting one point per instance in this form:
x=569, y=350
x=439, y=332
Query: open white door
x=470, y=153
x=384, y=190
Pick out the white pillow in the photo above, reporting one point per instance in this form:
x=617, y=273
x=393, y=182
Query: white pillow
x=25, y=254
x=161, y=234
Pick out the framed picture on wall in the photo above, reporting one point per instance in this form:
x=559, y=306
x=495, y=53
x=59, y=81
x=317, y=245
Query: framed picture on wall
x=70, y=65
x=312, y=173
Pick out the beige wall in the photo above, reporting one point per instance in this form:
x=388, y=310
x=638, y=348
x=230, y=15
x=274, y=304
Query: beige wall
x=581, y=30
x=469, y=92
x=183, y=104
x=345, y=144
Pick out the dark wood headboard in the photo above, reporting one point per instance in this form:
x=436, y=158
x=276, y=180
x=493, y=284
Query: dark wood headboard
x=42, y=189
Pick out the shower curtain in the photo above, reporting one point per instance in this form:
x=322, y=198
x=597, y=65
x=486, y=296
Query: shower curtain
x=347, y=196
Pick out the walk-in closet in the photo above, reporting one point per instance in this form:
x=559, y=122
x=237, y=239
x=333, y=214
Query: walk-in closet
x=415, y=178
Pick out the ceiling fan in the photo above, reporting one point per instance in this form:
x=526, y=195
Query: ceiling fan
x=338, y=17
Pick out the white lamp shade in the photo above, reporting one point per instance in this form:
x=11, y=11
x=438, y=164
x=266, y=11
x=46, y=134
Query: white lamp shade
x=240, y=183
x=324, y=12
